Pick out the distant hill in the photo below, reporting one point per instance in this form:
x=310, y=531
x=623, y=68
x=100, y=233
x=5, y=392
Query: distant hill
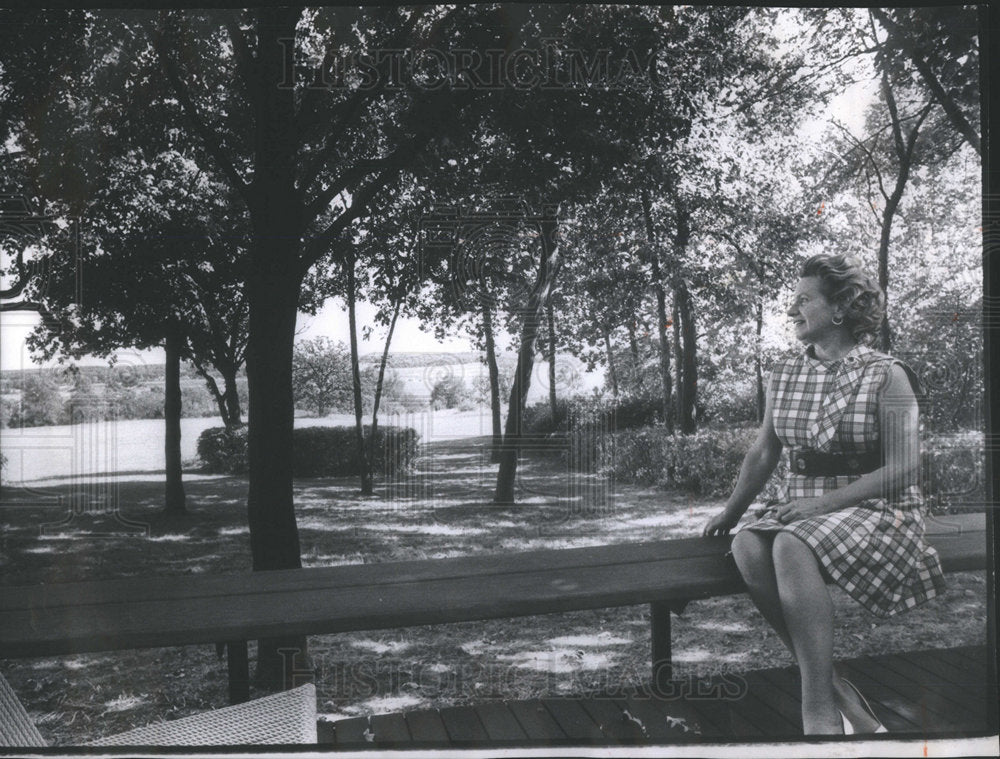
x=406, y=360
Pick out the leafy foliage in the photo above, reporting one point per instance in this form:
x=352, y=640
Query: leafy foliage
x=321, y=375
x=451, y=392
x=41, y=404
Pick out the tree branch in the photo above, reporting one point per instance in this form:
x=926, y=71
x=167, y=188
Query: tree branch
x=245, y=61
x=312, y=250
x=951, y=108
x=870, y=158
x=209, y=138
x=355, y=173
x=352, y=108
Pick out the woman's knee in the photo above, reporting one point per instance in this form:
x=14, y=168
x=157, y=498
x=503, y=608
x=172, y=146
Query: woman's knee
x=750, y=551
x=790, y=552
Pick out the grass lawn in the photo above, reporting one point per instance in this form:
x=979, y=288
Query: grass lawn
x=441, y=510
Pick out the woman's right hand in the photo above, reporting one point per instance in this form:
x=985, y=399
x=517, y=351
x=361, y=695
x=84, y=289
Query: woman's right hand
x=720, y=524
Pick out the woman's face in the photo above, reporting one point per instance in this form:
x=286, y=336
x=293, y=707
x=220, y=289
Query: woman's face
x=811, y=313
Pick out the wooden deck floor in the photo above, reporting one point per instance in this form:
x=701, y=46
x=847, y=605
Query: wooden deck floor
x=921, y=694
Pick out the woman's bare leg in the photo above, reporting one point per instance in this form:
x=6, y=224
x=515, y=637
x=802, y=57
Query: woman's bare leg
x=808, y=613
x=752, y=552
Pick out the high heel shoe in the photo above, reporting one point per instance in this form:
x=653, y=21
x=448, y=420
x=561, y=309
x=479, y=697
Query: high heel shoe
x=868, y=708
x=848, y=727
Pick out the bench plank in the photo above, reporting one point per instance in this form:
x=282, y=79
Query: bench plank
x=351, y=733
x=787, y=712
x=574, y=719
x=536, y=721
x=895, y=711
x=960, y=539
x=389, y=729
x=463, y=725
x=426, y=726
x=653, y=713
x=500, y=724
x=70, y=618
x=609, y=718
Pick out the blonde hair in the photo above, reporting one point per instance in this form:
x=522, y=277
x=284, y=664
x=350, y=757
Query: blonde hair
x=845, y=283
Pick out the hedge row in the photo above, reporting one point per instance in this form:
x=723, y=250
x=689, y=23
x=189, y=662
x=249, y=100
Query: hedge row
x=707, y=463
x=316, y=451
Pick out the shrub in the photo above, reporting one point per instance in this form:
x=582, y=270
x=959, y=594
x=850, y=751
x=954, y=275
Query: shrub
x=537, y=418
x=706, y=463
x=223, y=450
x=41, y=403
x=451, y=392
x=317, y=451
x=952, y=471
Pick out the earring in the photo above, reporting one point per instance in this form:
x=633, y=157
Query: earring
x=838, y=323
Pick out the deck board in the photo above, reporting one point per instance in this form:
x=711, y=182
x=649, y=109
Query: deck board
x=919, y=693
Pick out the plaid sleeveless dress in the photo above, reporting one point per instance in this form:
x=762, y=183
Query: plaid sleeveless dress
x=874, y=550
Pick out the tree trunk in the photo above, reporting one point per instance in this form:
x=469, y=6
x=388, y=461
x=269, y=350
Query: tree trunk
x=273, y=285
x=689, y=391
x=231, y=397
x=682, y=298
x=227, y=400
x=494, y=372
x=175, y=499
x=758, y=369
x=612, y=372
x=381, y=378
x=552, y=358
x=675, y=321
x=366, y=471
x=217, y=395
x=904, y=154
x=661, y=311
x=533, y=313
x=633, y=345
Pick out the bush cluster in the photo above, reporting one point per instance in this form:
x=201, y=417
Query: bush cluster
x=223, y=450
x=706, y=463
x=452, y=392
x=952, y=471
x=612, y=414
x=317, y=451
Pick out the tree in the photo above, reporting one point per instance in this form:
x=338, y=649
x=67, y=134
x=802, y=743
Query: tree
x=41, y=405
x=321, y=375
x=942, y=45
x=897, y=140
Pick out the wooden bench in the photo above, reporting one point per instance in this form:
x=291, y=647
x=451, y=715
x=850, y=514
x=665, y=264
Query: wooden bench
x=145, y=612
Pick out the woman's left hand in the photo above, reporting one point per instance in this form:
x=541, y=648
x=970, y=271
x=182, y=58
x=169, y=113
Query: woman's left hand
x=802, y=508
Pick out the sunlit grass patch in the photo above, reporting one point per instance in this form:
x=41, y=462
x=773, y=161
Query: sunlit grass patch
x=386, y=704
x=123, y=703
x=602, y=638
x=169, y=538
x=381, y=646
x=558, y=661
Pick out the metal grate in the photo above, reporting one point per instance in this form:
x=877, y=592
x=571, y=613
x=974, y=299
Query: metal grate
x=287, y=717
x=16, y=728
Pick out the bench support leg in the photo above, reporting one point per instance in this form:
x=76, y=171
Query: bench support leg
x=659, y=612
x=239, y=671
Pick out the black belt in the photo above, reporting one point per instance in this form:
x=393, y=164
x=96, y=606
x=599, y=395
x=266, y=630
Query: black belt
x=815, y=464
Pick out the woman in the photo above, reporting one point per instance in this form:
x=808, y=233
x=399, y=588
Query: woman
x=850, y=509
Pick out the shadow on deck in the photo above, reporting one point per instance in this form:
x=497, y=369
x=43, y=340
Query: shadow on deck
x=917, y=694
